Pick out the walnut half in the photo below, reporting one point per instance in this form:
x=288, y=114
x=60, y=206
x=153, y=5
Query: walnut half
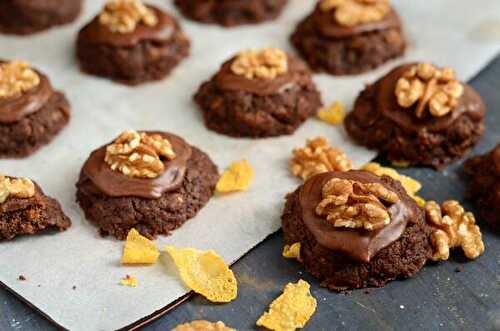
x=266, y=63
x=318, y=157
x=453, y=227
x=139, y=154
x=17, y=77
x=123, y=16
x=352, y=204
x=356, y=12
x=428, y=87
x=22, y=188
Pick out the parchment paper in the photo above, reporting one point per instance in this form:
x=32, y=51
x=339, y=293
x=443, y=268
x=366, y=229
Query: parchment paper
x=447, y=32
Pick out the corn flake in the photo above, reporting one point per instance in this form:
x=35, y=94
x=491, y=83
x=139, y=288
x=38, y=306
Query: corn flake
x=129, y=281
x=202, y=325
x=400, y=164
x=333, y=114
x=205, y=273
x=238, y=177
x=139, y=249
x=292, y=251
x=411, y=185
x=291, y=310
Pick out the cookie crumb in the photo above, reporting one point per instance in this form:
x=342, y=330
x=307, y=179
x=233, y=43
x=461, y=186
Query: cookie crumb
x=21, y=277
x=74, y=287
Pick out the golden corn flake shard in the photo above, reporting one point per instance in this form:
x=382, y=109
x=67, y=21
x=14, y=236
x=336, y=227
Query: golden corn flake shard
x=292, y=251
x=333, y=114
x=291, y=310
x=205, y=272
x=139, y=249
x=411, y=185
x=238, y=177
x=129, y=281
x=400, y=164
x=203, y=326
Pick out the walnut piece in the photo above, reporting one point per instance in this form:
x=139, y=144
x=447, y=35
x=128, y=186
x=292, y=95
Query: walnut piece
x=139, y=154
x=318, y=157
x=356, y=12
x=203, y=326
x=123, y=16
x=429, y=87
x=266, y=63
x=352, y=204
x=411, y=185
x=453, y=227
x=22, y=188
x=17, y=77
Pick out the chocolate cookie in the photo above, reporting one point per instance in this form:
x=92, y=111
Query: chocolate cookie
x=339, y=41
x=273, y=96
x=138, y=195
x=484, y=187
x=30, y=16
x=145, y=48
x=25, y=209
x=231, y=12
x=370, y=247
x=418, y=114
x=32, y=113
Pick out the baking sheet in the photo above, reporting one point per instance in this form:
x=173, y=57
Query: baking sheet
x=447, y=32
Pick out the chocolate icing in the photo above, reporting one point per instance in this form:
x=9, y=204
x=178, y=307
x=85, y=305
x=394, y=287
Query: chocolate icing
x=97, y=33
x=361, y=245
x=116, y=184
x=225, y=79
x=327, y=25
x=405, y=118
x=13, y=109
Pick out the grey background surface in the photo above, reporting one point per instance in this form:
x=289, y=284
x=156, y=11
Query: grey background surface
x=437, y=298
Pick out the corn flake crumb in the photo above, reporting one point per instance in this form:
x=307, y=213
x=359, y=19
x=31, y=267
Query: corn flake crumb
x=333, y=114
x=205, y=272
x=291, y=310
x=203, y=326
x=139, y=249
x=129, y=281
x=238, y=177
x=400, y=164
x=292, y=251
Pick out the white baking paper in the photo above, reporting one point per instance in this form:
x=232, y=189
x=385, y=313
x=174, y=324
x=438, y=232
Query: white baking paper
x=447, y=32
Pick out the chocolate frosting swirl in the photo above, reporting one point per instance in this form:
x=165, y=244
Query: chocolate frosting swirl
x=470, y=102
x=327, y=25
x=361, y=245
x=227, y=80
x=13, y=109
x=116, y=184
x=97, y=33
